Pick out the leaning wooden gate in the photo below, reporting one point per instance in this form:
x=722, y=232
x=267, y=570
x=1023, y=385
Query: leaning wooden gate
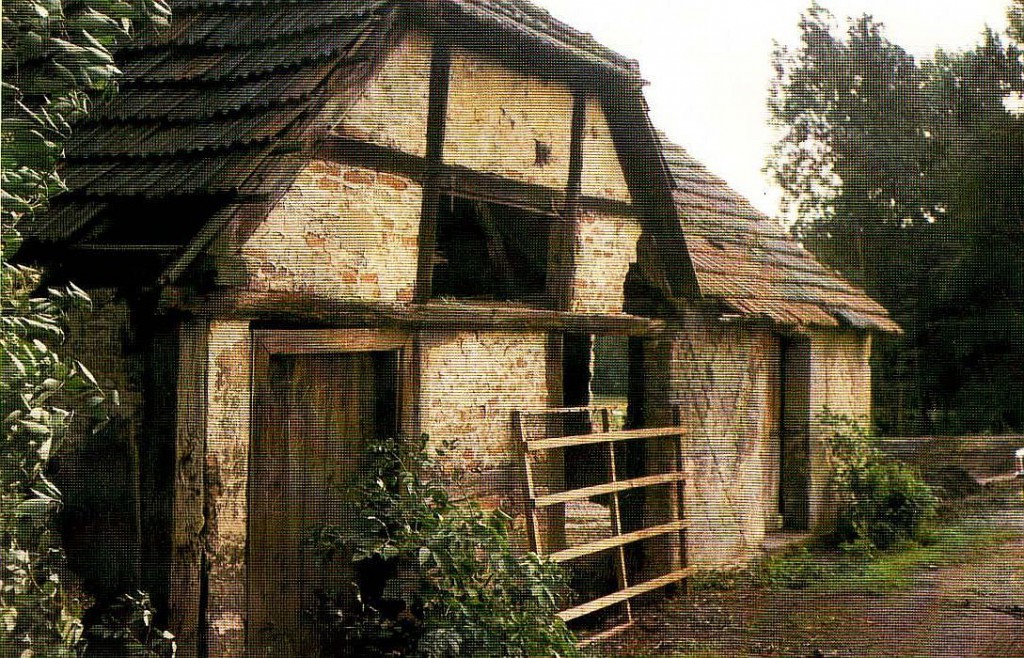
x=618, y=541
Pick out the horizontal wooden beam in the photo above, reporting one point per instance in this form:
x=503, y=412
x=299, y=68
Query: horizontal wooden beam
x=618, y=540
x=459, y=180
x=371, y=156
x=292, y=308
x=319, y=341
x=603, y=437
x=120, y=248
x=625, y=595
x=608, y=488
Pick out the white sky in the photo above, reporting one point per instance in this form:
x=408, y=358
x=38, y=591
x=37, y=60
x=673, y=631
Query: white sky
x=709, y=62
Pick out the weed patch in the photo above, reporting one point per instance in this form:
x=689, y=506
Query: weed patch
x=860, y=568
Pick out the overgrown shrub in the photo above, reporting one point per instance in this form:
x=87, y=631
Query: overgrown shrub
x=123, y=628
x=438, y=577
x=881, y=500
x=38, y=393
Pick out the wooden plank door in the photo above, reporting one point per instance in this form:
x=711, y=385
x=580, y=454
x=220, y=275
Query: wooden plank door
x=315, y=414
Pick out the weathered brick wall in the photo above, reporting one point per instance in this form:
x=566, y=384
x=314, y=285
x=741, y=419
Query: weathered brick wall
x=840, y=382
x=340, y=232
x=607, y=246
x=392, y=109
x=602, y=172
x=723, y=379
x=720, y=377
x=497, y=116
x=470, y=384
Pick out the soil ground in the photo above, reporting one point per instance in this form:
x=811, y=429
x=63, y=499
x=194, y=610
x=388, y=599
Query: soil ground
x=940, y=611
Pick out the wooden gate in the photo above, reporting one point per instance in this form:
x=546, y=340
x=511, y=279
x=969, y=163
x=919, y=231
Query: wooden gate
x=629, y=586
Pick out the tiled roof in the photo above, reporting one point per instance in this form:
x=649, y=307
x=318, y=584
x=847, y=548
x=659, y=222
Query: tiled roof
x=747, y=261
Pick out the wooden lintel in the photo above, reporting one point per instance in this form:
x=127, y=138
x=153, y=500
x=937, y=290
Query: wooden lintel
x=288, y=309
x=315, y=341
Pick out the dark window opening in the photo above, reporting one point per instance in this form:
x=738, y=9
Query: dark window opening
x=490, y=251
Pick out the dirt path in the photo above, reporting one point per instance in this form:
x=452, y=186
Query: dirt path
x=946, y=613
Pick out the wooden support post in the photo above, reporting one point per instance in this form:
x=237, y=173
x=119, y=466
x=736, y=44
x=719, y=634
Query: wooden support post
x=620, y=552
x=680, y=511
x=437, y=110
x=189, y=495
x=562, y=243
x=532, y=522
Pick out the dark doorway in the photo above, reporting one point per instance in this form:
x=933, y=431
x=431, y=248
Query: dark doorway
x=794, y=433
x=314, y=414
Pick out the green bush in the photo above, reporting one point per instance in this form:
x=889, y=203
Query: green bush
x=881, y=500
x=438, y=577
x=39, y=392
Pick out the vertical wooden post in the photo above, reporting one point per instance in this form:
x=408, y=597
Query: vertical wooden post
x=562, y=242
x=532, y=521
x=189, y=495
x=621, y=573
x=680, y=510
x=437, y=110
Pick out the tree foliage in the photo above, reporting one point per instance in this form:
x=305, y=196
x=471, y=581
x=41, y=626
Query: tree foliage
x=56, y=58
x=904, y=175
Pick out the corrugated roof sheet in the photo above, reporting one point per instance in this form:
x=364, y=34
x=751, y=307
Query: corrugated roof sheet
x=751, y=264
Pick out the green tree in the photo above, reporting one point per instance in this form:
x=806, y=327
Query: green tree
x=56, y=58
x=900, y=174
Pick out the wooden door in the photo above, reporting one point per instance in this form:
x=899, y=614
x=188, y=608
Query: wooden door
x=315, y=413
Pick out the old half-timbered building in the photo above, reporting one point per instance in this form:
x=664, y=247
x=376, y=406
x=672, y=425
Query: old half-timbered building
x=308, y=223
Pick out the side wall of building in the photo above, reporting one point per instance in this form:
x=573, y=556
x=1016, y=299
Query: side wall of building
x=840, y=384
x=721, y=380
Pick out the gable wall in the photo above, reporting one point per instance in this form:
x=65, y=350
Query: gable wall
x=340, y=232
x=351, y=233
x=496, y=116
x=392, y=109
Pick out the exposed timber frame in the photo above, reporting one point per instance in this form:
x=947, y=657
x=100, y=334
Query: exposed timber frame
x=437, y=110
x=562, y=243
x=462, y=181
x=290, y=309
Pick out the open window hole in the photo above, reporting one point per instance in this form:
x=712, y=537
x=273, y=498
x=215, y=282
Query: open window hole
x=490, y=251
